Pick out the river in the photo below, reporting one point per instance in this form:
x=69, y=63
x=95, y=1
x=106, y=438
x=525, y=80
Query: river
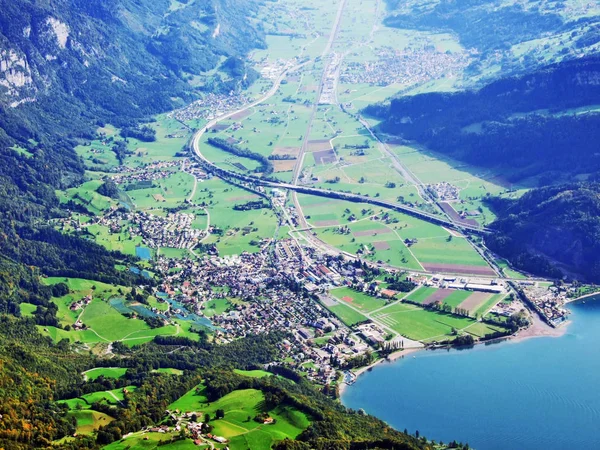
x=537, y=393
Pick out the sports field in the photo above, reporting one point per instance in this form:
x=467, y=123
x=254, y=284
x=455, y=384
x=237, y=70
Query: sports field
x=358, y=300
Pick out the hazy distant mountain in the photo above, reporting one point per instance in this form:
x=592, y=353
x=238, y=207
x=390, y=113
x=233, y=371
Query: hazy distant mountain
x=509, y=37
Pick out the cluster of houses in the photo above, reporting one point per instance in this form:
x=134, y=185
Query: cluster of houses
x=81, y=303
x=210, y=106
x=175, y=230
x=408, y=66
x=271, y=291
x=187, y=421
x=444, y=191
x=147, y=172
x=549, y=301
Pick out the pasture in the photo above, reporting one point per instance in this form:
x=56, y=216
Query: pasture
x=86, y=196
x=238, y=230
x=240, y=408
x=169, y=371
x=378, y=234
x=106, y=372
x=253, y=373
x=104, y=322
x=88, y=421
x=216, y=307
x=150, y=441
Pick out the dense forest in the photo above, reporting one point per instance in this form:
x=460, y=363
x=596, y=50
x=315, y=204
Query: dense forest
x=550, y=228
x=525, y=124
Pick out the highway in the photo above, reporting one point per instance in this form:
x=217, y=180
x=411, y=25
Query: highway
x=439, y=220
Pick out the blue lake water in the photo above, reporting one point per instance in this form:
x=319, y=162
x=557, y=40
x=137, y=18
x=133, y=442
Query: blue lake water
x=538, y=393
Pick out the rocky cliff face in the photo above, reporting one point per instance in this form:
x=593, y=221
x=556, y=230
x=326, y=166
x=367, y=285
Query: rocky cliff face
x=71, y=46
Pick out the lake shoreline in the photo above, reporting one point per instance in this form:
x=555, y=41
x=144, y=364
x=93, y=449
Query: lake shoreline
x=582, y=297
x=537, y=329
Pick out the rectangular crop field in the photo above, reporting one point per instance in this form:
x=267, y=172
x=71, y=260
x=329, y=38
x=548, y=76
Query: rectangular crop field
x=421, y=294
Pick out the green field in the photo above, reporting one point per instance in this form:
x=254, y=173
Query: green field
x=27, y=309
x=253, y=373
x=456, y=298
x=169, y=371
x=80, y=288
x=88, y=421
x=112, y=397
x=151, y=441
x=421, y=294
x=238, y=425
x=503, y=264
x=106, y=372
x=240, y=230
x=488, y=304
x=420, y=324
x=86, y=196
x=216, y=307
x=441, y=250
x=359, y=300
x=104, y=323
x=346, y=314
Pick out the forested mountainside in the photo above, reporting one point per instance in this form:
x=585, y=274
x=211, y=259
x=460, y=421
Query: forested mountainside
x=558, y=222
x=67, y=66
x=510, y=36
x=528, y=124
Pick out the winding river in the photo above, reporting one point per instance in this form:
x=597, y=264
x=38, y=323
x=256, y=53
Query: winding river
x=536, y=393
